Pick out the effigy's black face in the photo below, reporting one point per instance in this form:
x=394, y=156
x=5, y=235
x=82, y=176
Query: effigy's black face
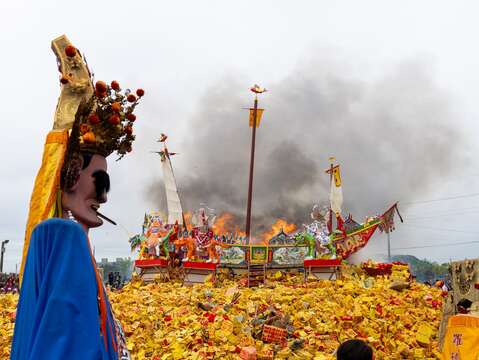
x=83, y=199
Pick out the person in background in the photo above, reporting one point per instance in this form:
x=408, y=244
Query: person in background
x=354, y=350
x=110, y=279
x=117, y=281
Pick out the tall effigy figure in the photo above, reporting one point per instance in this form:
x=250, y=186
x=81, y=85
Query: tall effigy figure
x=63, y=311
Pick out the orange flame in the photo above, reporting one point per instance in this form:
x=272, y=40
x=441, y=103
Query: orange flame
x=224, y=223
x=240, y=233
x=276, y=228
x=187, y=218
x=227, y=224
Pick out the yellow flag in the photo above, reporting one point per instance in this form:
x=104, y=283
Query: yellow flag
x=337, y=176
x=259, y=113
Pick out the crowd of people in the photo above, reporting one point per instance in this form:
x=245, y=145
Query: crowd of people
x=9, y=283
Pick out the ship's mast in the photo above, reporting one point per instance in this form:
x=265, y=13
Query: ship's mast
x=251, y=169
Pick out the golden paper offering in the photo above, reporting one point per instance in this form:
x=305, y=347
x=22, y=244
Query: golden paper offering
x=222, y=320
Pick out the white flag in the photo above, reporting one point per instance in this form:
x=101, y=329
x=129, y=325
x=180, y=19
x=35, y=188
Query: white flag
x=336, y=195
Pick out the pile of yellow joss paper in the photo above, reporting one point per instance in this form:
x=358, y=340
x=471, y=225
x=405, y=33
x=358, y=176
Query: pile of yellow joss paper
x=8, y=304
x=223, y=320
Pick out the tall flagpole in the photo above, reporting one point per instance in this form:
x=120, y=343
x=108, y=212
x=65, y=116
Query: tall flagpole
x=257, y=90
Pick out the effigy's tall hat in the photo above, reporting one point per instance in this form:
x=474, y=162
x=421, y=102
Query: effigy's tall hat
x=89, y=118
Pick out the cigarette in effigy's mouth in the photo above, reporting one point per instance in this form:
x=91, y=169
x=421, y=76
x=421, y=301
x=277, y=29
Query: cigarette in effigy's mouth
x=105, y=218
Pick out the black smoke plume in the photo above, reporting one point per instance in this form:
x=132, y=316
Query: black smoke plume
x=391, y=135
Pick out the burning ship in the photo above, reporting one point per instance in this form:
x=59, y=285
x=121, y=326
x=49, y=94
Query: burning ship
x=328, y=236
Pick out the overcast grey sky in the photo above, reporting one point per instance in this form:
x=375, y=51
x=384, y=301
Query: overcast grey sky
x=181, y=52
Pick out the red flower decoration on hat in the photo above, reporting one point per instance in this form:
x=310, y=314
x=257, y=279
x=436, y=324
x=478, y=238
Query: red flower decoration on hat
x=116, y=106
x=114, y=119
x=93, y=119
x=115, y=85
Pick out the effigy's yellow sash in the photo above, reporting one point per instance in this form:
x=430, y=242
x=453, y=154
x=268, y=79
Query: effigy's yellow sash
x=47, y=185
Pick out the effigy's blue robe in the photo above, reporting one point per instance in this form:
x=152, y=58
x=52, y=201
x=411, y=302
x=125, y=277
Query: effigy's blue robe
x=58, y=312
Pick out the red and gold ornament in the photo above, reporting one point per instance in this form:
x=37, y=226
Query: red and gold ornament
x=70, y=51
x=64, y=79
